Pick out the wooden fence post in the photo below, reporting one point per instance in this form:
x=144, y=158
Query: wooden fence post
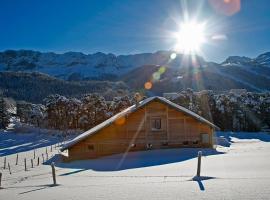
x=32, y=165
x=51, y=148
x=0, y=179
x=199, y=164
x=46, y=150
x=5, y=162
x=9, y=169
x=17, y=158
x=53, y=173
x=47, y=157
x=38, y=161
x=34, y=154
x=25, y=164
x=42, y=158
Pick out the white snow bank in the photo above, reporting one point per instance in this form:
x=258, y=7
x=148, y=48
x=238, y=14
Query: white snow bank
x=23, y=137
x=238, y=171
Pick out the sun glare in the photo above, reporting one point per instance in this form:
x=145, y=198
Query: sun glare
x=190, y=37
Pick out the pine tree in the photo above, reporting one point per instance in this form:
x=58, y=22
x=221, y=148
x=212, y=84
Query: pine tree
x=31, y=113
x=4, y=114
x=95, y=108
x=120, y=103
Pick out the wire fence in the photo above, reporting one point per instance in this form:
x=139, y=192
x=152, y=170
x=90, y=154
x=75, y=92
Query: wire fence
x=17, y=167
x=23, y=162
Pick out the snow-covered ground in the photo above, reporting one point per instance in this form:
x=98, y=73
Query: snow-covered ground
x=237, y=169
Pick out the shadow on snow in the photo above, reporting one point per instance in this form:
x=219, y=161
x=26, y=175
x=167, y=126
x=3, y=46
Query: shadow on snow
x=156, y=157
x=11, y=143
x=200, y=179
x=225, y=138
x=133, y=160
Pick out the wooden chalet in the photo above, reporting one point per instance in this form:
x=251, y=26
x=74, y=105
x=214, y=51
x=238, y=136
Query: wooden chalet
x=153, y=123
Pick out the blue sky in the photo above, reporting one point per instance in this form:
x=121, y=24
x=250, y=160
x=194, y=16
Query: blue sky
x=129, y=26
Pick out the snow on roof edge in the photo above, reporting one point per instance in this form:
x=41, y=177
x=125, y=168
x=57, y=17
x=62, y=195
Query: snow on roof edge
x=189, y=112
x=131, y=109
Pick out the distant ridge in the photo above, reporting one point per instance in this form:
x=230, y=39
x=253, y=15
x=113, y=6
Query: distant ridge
x=180, y=73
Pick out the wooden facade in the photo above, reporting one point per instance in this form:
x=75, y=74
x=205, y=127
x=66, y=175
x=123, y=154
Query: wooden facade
x=155, y=125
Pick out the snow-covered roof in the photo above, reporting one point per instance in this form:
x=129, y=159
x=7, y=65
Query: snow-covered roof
x=129, y=110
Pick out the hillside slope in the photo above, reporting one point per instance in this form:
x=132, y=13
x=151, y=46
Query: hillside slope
x=75, y=73
x=213, y=77
x=34, y=87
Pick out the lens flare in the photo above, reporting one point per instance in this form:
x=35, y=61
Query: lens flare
x=226, y=7
x=173, y=56
x=156, y=76
x=148, y=85
x=120, y=121
x=219, y=37
x=161, y=70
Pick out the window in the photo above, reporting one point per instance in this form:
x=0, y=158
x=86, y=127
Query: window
x=91, y=147
x=149, y=146
x=195, y=142
x=133, y=145
x=185, y=142
x=165, y=143
x=156, y=124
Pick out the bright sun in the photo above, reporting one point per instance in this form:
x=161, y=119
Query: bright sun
x=190, y=37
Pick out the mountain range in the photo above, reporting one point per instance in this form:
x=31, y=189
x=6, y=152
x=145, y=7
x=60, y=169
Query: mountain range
x=166, y=70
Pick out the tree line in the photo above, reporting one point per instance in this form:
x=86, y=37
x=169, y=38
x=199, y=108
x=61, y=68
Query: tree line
x=60, y=112
x=244, y=112
x=248, y=111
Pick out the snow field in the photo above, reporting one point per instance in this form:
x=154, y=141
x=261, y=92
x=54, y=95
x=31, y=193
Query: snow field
x=237, y=171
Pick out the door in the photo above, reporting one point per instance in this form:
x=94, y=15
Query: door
x=205, y=139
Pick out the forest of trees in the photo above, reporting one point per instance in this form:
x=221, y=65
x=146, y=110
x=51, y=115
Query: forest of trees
x=245, y=112
x=34, y=87
x=60, y=112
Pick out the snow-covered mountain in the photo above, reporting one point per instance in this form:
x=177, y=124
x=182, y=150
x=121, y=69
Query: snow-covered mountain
x=263, y=59
x=79, y=65
x=236, y=60
x=179, y=72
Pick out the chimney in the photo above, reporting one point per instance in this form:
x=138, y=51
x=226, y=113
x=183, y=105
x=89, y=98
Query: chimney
x=137, y=98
